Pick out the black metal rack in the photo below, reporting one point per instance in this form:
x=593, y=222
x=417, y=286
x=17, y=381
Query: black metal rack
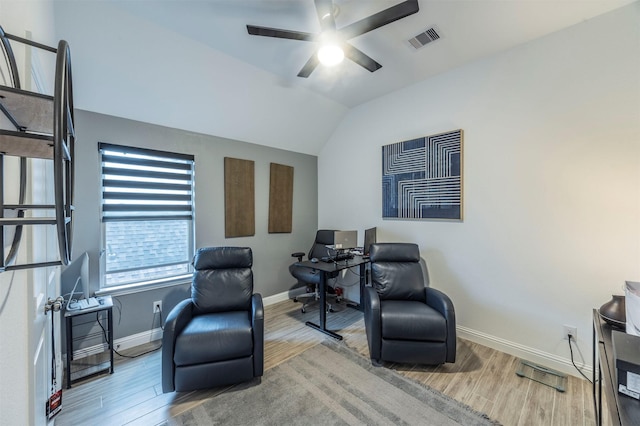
x=104, y=332
x=43, y=129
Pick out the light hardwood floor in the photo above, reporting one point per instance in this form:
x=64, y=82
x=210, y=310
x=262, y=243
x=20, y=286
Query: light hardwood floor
x=481, y=377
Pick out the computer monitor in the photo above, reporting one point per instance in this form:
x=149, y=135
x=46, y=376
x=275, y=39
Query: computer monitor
x=345, y=240
x=369, y=238
x=75, y=279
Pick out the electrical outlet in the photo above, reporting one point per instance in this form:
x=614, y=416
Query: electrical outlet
x=157, y=306
x=569, y=330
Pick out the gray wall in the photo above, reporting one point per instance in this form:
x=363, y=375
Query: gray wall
x=272, y=252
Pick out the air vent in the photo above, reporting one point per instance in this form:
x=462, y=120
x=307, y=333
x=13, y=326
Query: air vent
x=424, y=38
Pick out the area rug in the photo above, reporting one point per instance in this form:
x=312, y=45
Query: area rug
x=330, y=384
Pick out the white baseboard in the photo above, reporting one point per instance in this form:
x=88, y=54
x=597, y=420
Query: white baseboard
x=285, y=295
x=138, y=339
x=546, y=359
x=123, y=343
x=536, y=356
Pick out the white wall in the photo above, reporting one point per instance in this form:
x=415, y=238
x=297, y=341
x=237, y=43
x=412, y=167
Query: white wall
x=551, y=183
x=21, y=297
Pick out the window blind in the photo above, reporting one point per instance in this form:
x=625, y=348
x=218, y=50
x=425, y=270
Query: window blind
x=142, y=184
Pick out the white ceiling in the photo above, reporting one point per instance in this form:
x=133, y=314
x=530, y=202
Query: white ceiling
x=192, y=65
x=469, y=30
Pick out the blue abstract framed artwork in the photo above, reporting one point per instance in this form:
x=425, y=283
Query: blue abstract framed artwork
x=422, y=178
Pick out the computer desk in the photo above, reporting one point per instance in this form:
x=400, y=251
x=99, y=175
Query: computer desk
x=325, y=267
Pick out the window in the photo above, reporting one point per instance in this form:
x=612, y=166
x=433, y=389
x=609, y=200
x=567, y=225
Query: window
x=147, y=215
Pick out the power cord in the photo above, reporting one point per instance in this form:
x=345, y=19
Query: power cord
x=161, y=320
x=151, y=350
x=570, y=338
x=106, y=338
x=139, y=355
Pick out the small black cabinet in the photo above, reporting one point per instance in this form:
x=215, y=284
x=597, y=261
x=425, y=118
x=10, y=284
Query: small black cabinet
x=106, y=324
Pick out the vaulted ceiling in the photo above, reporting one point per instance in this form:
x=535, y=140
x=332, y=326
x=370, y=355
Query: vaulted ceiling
x=193, y=61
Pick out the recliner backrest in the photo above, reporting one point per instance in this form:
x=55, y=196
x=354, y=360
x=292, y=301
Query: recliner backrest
x=324, y=237
x=223, y=279
x=396, y=273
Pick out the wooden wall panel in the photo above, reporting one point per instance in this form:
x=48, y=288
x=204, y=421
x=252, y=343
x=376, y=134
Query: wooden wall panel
x=280, y=199
x=239, y=198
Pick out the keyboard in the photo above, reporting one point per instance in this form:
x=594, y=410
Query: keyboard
x=337, y=258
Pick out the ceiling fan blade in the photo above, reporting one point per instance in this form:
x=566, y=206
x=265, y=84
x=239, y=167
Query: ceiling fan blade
x=308, y=68
x=324, y=9
x=380, y=19
x=360, y=58
x=277, y=33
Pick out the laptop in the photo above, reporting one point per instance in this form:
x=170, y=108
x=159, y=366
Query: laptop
x=345, y=240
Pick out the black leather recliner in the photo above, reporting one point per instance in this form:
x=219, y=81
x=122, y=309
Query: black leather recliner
x=405, y=320
x=216, y=337
x=309, y=277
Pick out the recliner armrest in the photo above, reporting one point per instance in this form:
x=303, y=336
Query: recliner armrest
x=257, y=308
x=177, y=319
x=443, y=304
x=257, y=323
x=372, y=319
x=439, y=301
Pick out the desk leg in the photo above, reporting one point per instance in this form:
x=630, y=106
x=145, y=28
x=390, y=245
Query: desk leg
x=363, y=282
x=323, y=309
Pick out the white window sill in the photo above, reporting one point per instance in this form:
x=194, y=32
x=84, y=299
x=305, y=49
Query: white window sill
x=121, y=290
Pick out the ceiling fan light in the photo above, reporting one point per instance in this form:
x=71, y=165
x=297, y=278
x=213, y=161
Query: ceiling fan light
x=330, y=55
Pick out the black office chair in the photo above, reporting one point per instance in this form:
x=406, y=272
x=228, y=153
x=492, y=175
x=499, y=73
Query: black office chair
x=405, y=319
x=309, y=278
x=216, y=337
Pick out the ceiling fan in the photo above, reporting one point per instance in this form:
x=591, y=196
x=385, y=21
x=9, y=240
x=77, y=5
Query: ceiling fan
x=334, y=40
